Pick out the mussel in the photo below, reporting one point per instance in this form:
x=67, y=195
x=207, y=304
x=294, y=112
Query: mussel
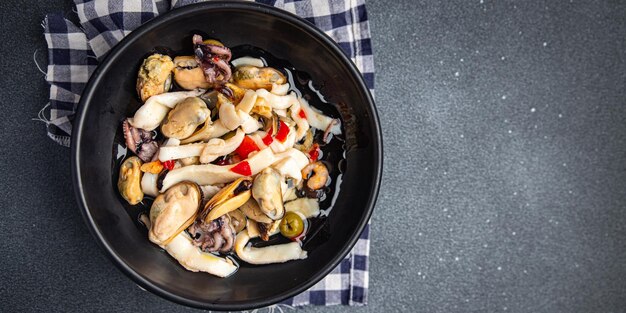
x=188, y=74
x=182, y=121
x=228, y=199
x=252, y=77
x=267, y=192
x=173, y=211
x=129, y=182
x=155, y=76
x=217, y=224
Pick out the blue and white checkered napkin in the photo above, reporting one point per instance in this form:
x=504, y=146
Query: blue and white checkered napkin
x=74, y=51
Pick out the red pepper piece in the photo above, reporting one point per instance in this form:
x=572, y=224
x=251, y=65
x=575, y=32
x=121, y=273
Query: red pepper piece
x=302, y=114
x=246, y=147
x=283, y=131
x=314, y=153
x=267, y=140
x=169, y=165
x=216, y=59
x=242, y=168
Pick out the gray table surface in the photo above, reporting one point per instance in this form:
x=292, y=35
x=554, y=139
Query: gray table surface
x=504, y=177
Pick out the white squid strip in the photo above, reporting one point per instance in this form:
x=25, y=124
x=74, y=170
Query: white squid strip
x=167, y=153
x=289, y=168
x=210, y=174
x=149, y=184
x=281, y=112
x=280, y=90
x=249, y=124
x=319, y=120
x=247, y=102
x=171, y=142
x=262, y=159
x=247, y=61
x=206, y=151
x=278, y=146
x=214, y=130
x=232, y=117
x=257, y=137
x=267, y=255
x=217, y=147
x=277, y=102
x=296, y=155
x=302, y=125
x=305, y=206
x=191, y=258
x=150, y=115
x=207, y=174
x=218, y=129
x=229, y=116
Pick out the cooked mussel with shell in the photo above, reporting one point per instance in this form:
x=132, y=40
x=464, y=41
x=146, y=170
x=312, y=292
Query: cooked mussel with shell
x=155, y=76
x=182, y=121
x=228, y=199
x=129, y=181
x=267, y=192
x=173, y=211
x=252, y=77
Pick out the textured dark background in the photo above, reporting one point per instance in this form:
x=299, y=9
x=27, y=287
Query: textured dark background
x=504, y=165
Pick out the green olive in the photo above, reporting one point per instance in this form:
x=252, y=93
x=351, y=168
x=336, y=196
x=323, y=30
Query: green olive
x=292, y=225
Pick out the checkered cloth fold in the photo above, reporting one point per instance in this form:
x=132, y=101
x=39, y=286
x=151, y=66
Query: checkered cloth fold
x=74, y=52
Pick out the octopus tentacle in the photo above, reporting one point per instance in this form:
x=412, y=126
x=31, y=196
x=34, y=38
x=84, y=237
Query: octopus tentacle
x=223, y=67
x=140, y=142
x=216, y=235
x=214, y=61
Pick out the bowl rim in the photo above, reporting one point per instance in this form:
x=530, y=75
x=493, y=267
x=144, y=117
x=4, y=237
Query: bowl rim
x=95, y=79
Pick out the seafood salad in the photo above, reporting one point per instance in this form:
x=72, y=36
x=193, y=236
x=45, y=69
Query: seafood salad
x=227, y=156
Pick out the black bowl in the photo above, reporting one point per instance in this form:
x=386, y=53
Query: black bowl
x=106, y=101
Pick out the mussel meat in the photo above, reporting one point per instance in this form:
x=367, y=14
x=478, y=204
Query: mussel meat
x=182, y=121
x=188, y=74
x=129, y=182
x=173, y=211
x=252, y=77
x=267, y=192
x=155, y=76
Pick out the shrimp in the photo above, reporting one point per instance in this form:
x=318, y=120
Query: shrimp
x=319, y=177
